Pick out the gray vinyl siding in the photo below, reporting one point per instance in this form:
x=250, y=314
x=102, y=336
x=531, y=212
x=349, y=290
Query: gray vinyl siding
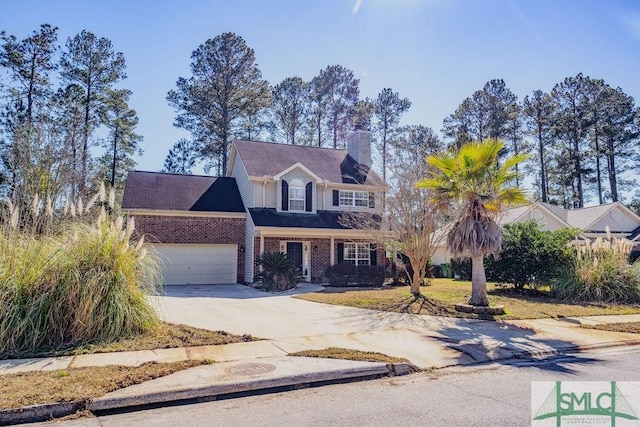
x=245, y=186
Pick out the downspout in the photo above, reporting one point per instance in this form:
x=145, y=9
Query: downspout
x=324, y=195
x=264, y=192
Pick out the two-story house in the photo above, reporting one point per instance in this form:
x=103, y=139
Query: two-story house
x=276, y=197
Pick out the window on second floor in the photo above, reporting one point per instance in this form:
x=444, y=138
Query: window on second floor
x=296, y=195
x=353, y=198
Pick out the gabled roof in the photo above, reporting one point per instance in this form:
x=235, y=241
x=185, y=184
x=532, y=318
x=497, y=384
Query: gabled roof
x=545, y=211
x=303, y=168
x=582, y=218
x=557, y=210
x=163, y=191
x=513, y=214
x=270, y=159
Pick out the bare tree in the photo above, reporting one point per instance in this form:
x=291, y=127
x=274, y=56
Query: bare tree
x=409, y=225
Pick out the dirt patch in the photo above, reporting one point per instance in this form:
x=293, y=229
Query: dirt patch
x=79, y=384
x=630, y=327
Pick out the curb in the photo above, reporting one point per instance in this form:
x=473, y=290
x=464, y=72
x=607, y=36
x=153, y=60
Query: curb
x=36, y=413
x=39, y=413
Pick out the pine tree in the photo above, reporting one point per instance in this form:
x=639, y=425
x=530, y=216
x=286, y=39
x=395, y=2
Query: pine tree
x=225, y=86
x=182, y=157
x=389, y=108
x=91, y=63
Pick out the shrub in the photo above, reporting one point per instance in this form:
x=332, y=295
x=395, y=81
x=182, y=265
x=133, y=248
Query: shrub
x=81, y=284
x=601, y=273
x=406, y=269
x=530, y=256
x=461, y=268
x=278, y=272
x=354, y=275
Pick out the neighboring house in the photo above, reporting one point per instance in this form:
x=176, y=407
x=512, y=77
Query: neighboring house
x=591, y=221
x=276, y=197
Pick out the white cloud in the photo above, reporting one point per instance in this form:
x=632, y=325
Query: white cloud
x=356, y=7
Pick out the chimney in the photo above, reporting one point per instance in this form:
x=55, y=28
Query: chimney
x=359, y=147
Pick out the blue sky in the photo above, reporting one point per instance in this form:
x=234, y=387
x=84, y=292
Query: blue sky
x=435, y=52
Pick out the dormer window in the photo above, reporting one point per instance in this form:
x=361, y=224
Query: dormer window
x=296, y=195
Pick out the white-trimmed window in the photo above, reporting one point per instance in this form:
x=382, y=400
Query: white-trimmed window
x=357, y=253
x=353, y=198
x=296, y=195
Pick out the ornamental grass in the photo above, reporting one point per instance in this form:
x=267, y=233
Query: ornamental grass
x=601, y=273
x=67, y=281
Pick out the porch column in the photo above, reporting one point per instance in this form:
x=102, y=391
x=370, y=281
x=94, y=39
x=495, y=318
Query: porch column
x=332, y=251
x=261, y=246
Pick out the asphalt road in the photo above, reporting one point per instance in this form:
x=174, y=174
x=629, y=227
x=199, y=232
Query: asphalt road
x=493, y=395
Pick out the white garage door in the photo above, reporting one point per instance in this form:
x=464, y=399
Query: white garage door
x=198, y=264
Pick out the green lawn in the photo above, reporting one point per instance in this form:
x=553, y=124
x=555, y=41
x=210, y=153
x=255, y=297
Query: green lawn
x=442, y=294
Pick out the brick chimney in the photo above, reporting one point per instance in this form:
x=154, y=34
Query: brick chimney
x=359, y=147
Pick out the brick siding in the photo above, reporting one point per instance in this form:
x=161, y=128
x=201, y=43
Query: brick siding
x=320, y=258
x=194, y=230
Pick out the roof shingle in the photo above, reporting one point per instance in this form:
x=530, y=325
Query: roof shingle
x=163, y=191
x=269, y=159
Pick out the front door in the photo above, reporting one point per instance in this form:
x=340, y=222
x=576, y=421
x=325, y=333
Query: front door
x=294, y=252
x=298, y=252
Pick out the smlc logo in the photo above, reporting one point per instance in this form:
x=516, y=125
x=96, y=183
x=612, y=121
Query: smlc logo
x=584, y=403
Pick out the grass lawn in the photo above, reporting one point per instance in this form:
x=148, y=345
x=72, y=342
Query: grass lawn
x=83, y=384
x=80, y=384
x=442, y=294
x=631, y=327
x=348, y=354
x=168, y=335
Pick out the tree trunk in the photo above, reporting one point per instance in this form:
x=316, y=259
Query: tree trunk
x=335, y=131
x=115, y=158
x=611, y=166
x=416, y=280
x=478, y=282
x=598, y=168
x=578, y=195
x=543, y=180
x=85, y=142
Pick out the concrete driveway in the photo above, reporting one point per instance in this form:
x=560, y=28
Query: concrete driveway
x=292, y=325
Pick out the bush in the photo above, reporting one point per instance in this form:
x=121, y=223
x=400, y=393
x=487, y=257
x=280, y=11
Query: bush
x=278, y=272
x=82, y=284
x=530, y=256
x=405, y=270
x=601, y=273
x=354, y=275
x=461, y=268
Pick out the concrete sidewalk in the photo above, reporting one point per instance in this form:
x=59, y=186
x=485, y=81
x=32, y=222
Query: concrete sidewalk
x=459, y=343
x=426, y=341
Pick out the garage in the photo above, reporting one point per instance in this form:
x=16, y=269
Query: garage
x=186, y=264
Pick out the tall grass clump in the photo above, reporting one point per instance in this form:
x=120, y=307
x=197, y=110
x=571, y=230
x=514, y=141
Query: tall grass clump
x=601, y=272
x=84, y=282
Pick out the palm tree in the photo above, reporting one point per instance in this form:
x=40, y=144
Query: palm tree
x=473, y=188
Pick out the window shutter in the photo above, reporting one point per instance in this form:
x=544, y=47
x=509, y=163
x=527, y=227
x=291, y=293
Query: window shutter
x=372, y=200
x=340, y=253
x=336, y=198
x=373, y=255
x=309, y=197
x=285, y=195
